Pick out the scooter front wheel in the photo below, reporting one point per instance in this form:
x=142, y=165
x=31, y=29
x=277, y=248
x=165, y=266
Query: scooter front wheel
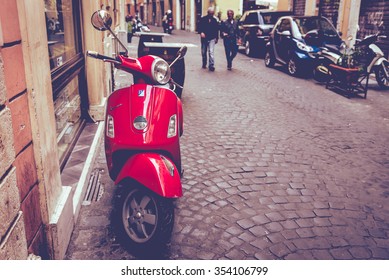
x=146, y=219
x=382, y=75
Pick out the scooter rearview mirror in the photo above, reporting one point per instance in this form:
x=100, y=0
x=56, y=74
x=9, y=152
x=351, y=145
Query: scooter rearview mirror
x=101, y=20
x=381, y=27
x=182, y=52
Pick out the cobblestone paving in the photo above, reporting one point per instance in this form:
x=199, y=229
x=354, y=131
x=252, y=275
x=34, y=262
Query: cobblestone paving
x=275, y=168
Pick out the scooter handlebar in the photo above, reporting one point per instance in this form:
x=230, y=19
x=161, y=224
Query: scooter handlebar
x=102, y=57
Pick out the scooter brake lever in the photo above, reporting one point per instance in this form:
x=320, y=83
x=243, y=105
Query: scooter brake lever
x=102, y=57
x=178, y=85
x=112, y=60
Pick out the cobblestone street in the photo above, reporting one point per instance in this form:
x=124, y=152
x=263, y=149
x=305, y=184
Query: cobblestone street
x=276, y=167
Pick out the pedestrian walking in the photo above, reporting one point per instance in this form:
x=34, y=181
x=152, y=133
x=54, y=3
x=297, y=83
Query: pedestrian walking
x=164, y=23
x=209, y=33
x=130, y=28
x=229, y=33
x=138, y=24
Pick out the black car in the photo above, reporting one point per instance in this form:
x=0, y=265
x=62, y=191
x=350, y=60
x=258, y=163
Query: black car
x=254, y=29
x=294, y=39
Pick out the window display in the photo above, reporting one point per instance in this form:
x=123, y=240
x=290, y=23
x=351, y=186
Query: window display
x=66, y=63
x=60, y=31
x=67, y=116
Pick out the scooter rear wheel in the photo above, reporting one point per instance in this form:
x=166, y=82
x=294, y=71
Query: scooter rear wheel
x=146, y=220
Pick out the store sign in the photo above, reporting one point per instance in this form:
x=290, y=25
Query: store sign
x=59, y=61
x=266, y=3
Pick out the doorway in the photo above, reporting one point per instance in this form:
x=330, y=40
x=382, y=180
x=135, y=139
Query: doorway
x=183, y=14
x=199, y=12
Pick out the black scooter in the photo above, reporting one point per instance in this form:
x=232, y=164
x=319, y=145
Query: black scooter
x=365, y=55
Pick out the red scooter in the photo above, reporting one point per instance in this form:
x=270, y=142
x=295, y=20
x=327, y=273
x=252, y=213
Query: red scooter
x=143, y=125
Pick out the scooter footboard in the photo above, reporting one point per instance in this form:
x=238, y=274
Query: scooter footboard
x=155, y=172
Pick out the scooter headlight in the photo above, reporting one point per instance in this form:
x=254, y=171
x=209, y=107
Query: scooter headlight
x=304, y=47
x=110, y=130
x=160, y=71
x=140, y=123
x=172, y=129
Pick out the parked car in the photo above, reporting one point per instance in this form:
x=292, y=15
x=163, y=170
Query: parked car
x=254, y=28
x=294, y=39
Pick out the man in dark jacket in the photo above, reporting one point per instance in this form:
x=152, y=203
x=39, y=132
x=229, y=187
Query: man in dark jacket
x=229, y=32
x=209, y=33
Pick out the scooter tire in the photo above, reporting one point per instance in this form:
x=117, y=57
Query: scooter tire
x=320, y=76
x=145, y=232
x=381, y=78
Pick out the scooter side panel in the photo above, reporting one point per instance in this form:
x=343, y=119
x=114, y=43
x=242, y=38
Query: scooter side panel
x=157, y=105
x=150, y=170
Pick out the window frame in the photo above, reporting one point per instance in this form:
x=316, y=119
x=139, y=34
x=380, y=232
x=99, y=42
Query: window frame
x=63, y=74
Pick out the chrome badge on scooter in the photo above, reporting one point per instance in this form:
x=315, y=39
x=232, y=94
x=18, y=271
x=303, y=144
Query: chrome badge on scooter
x=141, y=93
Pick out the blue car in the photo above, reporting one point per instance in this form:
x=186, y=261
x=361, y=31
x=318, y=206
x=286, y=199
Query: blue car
x=294, y=39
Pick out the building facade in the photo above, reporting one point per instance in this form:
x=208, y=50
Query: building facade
x=48, y=91
x=152, y=11
x=186, y=13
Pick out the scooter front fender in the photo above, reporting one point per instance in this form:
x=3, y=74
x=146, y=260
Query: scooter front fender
x=154, y=171
x=377, y=61
x=380, y=60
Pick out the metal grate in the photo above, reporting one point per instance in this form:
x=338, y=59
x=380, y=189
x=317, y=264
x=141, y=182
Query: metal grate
x=95, y=189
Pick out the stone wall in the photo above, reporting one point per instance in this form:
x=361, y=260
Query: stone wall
x=299, y=7
x=329, y=9
x=21, y=226
x=371, y=14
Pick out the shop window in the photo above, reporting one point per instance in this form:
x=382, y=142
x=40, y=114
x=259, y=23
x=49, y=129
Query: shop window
x=60, y=31
x=67, y=64
x=67, y=109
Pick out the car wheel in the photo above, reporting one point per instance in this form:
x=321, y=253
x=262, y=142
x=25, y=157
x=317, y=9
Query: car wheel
x=247, y=48
x=292, y=67
x=269, y=59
